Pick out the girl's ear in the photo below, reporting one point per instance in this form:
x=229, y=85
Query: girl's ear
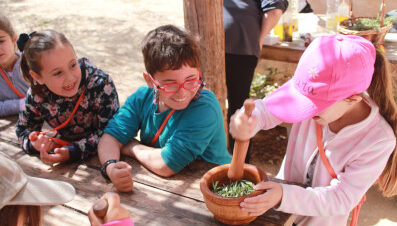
x=36, y=77
x=354, y=99
x=148, y=80
x=14, y=40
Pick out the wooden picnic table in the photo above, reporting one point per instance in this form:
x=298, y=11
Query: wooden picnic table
x=154, y=200
x=291, y=52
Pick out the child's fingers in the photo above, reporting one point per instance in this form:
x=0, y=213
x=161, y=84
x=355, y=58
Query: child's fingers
x=254, y=205
x=125, y=187
x=44, y=149
x=266, y=197
x=60, y=155
x=53, y=158
x=122, y=173
x=122, y=165
x=124, y=184
x=253, y=120
x=94, y=220
x=122, y=169
x=124, y=179
x=51, y=145
x=61, y=151
x=128, y=185
x=33, y=136
x=115, y=210
x=44, y=140
x=43, y=153
x=265, y=201
x=264, y=185
x=45, y=156
x=256, y=199
x=112, y=198
x=256, y=208
x=41, y=138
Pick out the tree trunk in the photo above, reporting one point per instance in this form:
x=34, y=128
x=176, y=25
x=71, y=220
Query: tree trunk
x=205, y=19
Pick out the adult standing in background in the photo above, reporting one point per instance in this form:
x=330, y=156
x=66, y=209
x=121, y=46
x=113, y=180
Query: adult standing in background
x=246, y=23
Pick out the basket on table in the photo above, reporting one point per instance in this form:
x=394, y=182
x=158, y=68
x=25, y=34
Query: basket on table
x=376, y=36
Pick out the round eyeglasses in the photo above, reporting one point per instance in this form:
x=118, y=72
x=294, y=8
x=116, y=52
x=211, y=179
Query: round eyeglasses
x=175, y=87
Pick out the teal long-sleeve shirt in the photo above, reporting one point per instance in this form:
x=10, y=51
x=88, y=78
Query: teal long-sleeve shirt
x=195, y=132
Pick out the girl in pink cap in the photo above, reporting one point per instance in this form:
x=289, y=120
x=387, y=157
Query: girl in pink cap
x=343, y=137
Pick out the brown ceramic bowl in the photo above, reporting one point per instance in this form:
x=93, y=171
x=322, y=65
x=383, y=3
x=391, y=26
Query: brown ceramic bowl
x=227, y=209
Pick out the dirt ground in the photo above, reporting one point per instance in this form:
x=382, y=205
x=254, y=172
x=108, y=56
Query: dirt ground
x=109, y=33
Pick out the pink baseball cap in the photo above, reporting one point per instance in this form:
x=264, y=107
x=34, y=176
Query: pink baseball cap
x=332, y=68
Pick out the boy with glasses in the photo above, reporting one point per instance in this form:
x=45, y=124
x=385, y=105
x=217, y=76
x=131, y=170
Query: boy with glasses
x=178, y=120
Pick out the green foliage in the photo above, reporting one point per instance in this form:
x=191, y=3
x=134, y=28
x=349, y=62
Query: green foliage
x=263, y=84
x=42, y=23
x=363, y=24
x=234, y=189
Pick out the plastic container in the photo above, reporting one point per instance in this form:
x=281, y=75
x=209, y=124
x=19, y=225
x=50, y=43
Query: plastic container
x=278, y=29
x=288, y=24
x=271, y=40
x=343, y=10
x=332, y=18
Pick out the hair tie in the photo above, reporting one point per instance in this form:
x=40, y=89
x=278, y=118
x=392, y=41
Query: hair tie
x=23, y=38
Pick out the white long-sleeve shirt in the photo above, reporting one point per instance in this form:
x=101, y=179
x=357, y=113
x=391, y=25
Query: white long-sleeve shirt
x=358, y=154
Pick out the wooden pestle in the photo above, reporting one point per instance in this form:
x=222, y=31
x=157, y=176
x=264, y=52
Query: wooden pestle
x=236, y=170
x=100, y=208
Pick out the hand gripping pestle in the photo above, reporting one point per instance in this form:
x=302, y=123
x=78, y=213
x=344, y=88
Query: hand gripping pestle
x=100, y=208
x=236, y=170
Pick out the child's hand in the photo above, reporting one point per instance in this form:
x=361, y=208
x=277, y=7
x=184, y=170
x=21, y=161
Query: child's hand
x=42, y=143
x=22, y=106
x=258, y=205
x=114, y=212
x=120, y=175
x=60, y=155
x=241, y=126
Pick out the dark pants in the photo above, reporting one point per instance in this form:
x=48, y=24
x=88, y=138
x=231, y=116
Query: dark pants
x=239, y=73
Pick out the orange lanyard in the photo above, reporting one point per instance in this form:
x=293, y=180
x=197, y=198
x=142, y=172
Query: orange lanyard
x=156, y=137
x=10, y=84
x=356, y=210
x=322, y=152
x=58, y=142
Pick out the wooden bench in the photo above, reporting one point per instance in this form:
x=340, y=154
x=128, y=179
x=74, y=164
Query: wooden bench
x=154, y=200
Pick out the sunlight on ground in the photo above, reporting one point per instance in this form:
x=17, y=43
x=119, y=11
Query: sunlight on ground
x=385, y=222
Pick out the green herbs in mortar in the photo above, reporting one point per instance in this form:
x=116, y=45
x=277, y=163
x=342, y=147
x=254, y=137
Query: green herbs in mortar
x=234, y=189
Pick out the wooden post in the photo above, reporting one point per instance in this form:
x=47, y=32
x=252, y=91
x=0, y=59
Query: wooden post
x=205, y=19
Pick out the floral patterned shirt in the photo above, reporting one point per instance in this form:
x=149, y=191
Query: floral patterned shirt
x=98, y=105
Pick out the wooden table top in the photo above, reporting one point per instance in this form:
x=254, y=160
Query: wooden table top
x=153, y=201
x=291, y=51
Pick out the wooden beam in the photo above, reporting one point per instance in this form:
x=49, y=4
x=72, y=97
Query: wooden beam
x=205, y=19
x=281, y=53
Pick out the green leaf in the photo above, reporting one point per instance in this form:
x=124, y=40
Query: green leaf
x=233, y=189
